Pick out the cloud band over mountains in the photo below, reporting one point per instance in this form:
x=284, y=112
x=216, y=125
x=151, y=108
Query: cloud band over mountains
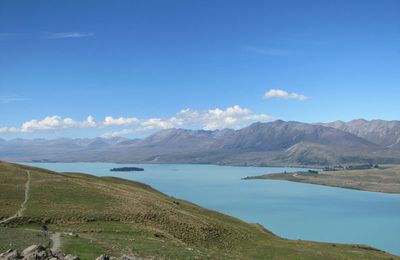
x=231, y=117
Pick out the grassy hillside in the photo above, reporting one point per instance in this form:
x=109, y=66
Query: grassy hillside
x=105, y=215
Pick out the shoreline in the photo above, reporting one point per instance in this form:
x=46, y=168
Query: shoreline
x=383, y=180
x=183, y=163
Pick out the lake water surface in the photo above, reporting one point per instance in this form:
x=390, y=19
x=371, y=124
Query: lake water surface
x=290, y=210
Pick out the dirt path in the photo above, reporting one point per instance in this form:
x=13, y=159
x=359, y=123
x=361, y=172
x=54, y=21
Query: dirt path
x=54, y=237
x=55, y=242
x=21, y=210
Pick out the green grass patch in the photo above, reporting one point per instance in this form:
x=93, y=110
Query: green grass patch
x=20, y=238
x=12, y=187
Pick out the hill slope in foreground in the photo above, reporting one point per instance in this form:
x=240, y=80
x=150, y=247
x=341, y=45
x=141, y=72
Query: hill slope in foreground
x=106, y=215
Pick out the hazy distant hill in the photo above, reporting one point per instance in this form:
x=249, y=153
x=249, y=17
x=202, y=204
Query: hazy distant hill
x=179, y=139
x=272, y=143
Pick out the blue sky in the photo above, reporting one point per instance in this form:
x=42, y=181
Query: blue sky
x=145, y=61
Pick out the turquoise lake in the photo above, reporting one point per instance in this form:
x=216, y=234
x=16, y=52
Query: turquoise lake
x=290, y=210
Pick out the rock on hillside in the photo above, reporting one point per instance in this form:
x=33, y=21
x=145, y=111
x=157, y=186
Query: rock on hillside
x=36, y=252
x=39, y=252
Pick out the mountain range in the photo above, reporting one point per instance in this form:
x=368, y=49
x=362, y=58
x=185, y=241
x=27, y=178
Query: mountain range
x=272, y=143
x=385, y=133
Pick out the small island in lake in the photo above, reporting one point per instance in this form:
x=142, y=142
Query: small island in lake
x=127, y=169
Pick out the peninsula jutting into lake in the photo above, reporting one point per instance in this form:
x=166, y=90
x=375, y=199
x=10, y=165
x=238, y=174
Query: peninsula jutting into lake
x=385, y=179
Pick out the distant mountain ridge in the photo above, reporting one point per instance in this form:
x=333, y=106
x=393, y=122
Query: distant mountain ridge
x=282, y=135
x=381, y=132
x=272, y=143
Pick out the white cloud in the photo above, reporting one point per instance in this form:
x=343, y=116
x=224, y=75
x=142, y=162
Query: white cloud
x=69, y=122
x=212, y=119
x=231, y=117
x=89, y=122
x=120, y=133
x=4, y=130
x=110, y=121
x=62, y=35
x=50, y=123
x=157, y=123
x=45, y=35
x=282, y=94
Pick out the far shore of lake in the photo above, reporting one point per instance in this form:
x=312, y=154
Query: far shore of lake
x=382, y=179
